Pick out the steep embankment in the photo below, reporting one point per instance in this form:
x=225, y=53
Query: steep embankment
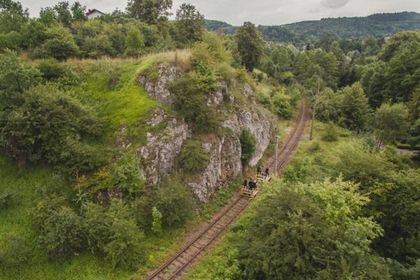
x=238, y=110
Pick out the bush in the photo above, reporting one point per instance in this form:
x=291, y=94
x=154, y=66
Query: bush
x=7, y=199
x=174, y=202
x=309, y=230
x=61, y=231
x=191, y=92
x=54, y=71
x=282, y=105
x=330, y=133
x=47, y=125
x=112, y=231
x=122, y=176
x=193, y=158
x=248, y=143
x=15, y=252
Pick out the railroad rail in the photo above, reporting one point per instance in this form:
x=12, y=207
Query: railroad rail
x=176, y=266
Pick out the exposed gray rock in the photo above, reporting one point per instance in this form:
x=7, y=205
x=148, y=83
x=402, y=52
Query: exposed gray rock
x=159, y=155
x=260, y=123
x=163, y=147
x=159, y=89
x=224, y=164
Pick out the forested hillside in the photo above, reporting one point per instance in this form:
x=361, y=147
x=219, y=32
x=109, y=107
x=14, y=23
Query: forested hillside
x=376, y=26
x=120, y=135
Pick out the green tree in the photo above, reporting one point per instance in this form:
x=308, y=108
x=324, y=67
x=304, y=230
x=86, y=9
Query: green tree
x=189, y=24
x=157, y=221
x=78, y=11
x=112, y=231
x=250, y=45
x=63, y=13
x=16, y=76
x=354, y=108
x=59, y=44
x=311, y=232
x=396, y=205
x=149, y=11
x=391, y=123
x=193, y=158
x=248, y=144
x=174, y=202
x=191, y=92
x=134, y=42
x=46, y=125
x=61, y=231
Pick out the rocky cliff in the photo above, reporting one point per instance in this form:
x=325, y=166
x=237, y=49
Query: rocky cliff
x=158, y=156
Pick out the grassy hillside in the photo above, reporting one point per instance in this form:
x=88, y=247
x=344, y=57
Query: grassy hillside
x=377, y=25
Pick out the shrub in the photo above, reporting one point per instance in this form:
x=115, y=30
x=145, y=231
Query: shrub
x=191, y=92
x=7, y=199
x=193, y=158
x=52, y=70
x=15, y=252
x=61, y=231
x=174, y=202
x=248, y=143
x=48, y=125
x=157, y=221
x=123, y=176
x=282, y=105
x=112, y=231
x=15, y=76
x=330, y=133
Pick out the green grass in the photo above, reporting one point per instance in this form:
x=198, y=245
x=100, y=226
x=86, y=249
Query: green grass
x=16, y=220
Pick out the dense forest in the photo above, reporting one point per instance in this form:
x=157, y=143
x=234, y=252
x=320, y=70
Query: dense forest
x=86, y=103
x=374, y=26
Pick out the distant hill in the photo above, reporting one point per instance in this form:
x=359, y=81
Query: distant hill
x=377, y=25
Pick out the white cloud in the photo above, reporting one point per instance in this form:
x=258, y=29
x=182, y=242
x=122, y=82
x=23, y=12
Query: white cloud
x=263, y=11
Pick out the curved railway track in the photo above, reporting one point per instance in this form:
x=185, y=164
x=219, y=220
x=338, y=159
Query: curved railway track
x=176, y=266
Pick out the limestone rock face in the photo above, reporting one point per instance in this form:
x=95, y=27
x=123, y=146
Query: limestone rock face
x=224, y=164
x=158, y=156
x=163, y=147
x=260, y=124
x=158, y=89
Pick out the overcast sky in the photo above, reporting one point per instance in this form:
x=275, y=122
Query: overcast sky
x=269, y=12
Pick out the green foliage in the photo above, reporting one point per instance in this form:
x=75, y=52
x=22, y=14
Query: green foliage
x=16, y=76
x=7, y=199
x=248, y=145
x=174, y=202
x=193, y=158
x=347, y=107
x=396, y=205
x=59, y=45
x=330, y=134
x=124, y=248
x=192, y=91
x=282, y=105
x=149, y=11
x=15, y=252
x=354, y=108
x=46, y=125
x=157, y=221
x=311, y=232
x=189, y=24
x=391, y=123
x=61, y=231
x=134, y=42
x=123, y=176
x=250, y=46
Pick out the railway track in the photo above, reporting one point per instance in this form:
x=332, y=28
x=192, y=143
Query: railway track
x=176, y=266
